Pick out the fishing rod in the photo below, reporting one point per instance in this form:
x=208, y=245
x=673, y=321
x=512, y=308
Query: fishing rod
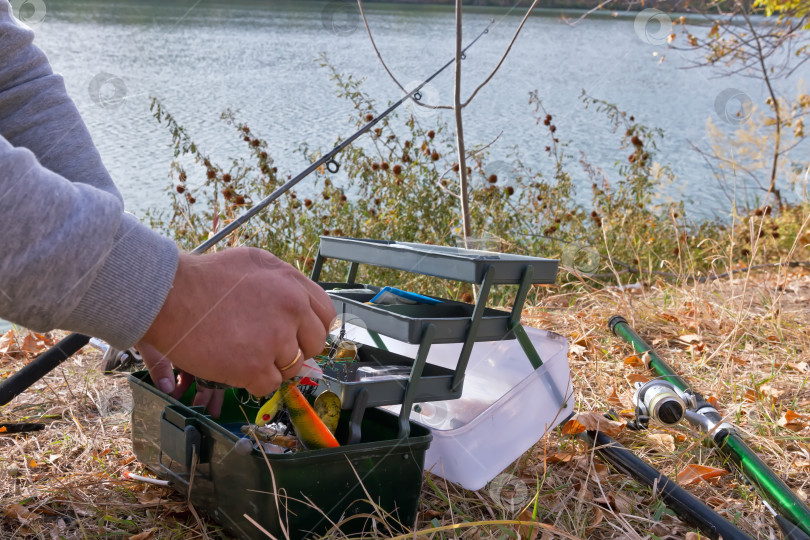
x=657, y=402
x=688, y=507
x=47, y=361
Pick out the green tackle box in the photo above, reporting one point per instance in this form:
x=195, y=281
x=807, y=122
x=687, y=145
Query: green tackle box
x=305, y=494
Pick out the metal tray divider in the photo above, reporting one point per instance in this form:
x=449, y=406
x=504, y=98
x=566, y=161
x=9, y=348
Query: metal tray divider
x=413, y=381
x=317, y=267
x=472, y=329
x=352, y=276
x=514, y=318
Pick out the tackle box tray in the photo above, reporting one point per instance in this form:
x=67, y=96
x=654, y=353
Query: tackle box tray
x=307, y=492
x=372, y=372
x=407, y=322
x=445, y=262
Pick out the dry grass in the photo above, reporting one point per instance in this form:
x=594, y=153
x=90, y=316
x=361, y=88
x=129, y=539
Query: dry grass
x=751, y=353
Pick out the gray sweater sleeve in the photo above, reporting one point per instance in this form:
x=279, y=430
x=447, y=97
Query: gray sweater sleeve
x=70, y=257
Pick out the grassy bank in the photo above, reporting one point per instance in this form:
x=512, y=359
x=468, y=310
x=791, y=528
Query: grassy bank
x=741, y=340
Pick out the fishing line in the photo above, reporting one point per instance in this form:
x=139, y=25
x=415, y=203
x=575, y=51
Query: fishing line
x=327, y=159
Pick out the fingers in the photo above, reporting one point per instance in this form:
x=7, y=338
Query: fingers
x=211, y=399
x=321, y=304
x=184, y=381
x=311, y=336
x=160, y=369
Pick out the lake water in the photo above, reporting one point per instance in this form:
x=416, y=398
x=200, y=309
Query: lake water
x=202, y=57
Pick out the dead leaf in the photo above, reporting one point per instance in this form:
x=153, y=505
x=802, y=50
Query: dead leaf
x=670, y=318
x=146, y=535
x=8, y=343
x=614, y=400
x=768, y=390
x=694, y=473
x=633, y=361
x=559, y=457
x=432, y=514
x=592, y=421
x=528, y=532
x=17, y=511
x=598, y=517
x=801, y=367
x=693, y=536
x=751, y=395
x=633, y=378
x=32, y=344
x=576, y=350
x=792, y=421
x=664, y=441
x=690, y=338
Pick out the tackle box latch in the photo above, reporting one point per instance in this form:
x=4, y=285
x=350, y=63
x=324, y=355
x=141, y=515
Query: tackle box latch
x=181, y=440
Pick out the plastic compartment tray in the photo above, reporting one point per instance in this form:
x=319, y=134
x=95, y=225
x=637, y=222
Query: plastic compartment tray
x=434, y=384
x=231, y=482
x=439, y=261
x=505, y=408
x=407, y=322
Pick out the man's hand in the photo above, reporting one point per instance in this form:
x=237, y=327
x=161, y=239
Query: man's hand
x=237, y=317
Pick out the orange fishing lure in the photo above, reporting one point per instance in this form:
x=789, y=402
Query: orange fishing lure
x=308, y=426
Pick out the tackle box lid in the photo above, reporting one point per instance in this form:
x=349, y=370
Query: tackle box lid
x=460, y=264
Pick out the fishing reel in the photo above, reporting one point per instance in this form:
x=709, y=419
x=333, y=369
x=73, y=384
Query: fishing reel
x=115, y=360
x=662, y=401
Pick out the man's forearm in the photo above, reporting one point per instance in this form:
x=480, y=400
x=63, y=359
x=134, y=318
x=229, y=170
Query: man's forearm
x=70, y=257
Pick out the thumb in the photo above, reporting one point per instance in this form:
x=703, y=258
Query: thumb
x=160, y=369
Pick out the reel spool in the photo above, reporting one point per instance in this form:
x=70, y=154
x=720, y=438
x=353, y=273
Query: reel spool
x=662, y=401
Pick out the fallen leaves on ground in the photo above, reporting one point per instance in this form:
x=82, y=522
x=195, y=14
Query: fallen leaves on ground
x=694, y=473
x=792, y=421
x=664, y=441
x=528, y=532
x=592, y=421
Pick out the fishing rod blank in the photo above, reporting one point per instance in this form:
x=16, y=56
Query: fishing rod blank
x=723, y=435
x=16, y=384
x=688, y=507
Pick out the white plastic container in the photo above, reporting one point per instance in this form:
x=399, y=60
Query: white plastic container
x=505, y=408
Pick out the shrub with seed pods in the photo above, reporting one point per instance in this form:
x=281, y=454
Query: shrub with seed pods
x=182, y=176
x=384, y=165
x=434, y=155
x=375, y=166
x=263, y=155
x=636, y=141
x=431, y=134
x=455, y=167
x=307, y=203
x=180, y=188
x=509, y=190
x=211, y=173
x=406, y=158
x=397, y=169
x=369, y=117
x=226, y=178
x=239, y=200
x=492, y=179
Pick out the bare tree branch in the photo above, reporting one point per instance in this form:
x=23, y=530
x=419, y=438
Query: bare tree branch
x=462, y=155
x=505, y=54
